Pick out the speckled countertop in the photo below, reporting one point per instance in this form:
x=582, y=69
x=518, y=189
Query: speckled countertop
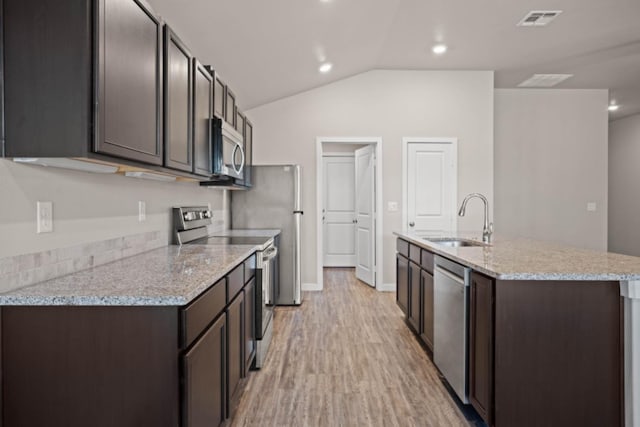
x=172, y=275
x=238, y=232
x=525, y=259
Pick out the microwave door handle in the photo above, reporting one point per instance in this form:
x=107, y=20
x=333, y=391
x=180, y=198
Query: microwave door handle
x=233, y=157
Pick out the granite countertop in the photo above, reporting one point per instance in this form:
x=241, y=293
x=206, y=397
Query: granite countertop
x=238, y=232
x=171, y=275
x=509, y=258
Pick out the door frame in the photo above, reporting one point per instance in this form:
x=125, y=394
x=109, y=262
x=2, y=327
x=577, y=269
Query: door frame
x=405, y=164
x=377, y=141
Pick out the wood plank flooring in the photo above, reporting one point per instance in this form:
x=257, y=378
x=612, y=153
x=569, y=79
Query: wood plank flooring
x=345, y=358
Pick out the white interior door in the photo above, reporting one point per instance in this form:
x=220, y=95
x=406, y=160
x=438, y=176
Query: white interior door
x=365, y=214
x=339, y=211
x=431, y=186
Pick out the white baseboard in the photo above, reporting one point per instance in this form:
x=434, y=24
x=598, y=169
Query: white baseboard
x=387, y=287
x=313, y=287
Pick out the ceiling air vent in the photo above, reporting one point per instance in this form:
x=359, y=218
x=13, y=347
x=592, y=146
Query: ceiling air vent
x=544, y=80
x=539, y=18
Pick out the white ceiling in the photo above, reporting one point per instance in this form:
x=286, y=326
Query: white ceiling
x=267, y=50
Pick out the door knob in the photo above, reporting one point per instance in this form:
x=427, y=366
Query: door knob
x=411, y=224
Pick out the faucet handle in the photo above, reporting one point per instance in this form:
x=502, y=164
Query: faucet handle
x=490, y=228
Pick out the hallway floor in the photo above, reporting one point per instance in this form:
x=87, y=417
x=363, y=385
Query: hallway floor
x=345, y=358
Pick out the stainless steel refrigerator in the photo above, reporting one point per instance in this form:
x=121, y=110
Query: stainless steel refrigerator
x=274, y=202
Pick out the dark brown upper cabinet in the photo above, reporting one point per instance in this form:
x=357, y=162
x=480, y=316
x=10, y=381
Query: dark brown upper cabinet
x=248, y=151
x=178, y=94
x=81, y=87
x=202, y=114
x=129, y=74
x=219, y=97
x=230, y=106
x=240, y=121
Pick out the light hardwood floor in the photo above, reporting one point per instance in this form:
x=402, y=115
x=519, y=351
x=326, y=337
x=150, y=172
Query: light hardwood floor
x=345, y=358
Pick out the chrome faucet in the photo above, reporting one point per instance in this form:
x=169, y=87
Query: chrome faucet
x=487, y=228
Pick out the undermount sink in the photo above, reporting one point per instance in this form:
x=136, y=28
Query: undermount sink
x=454, y=242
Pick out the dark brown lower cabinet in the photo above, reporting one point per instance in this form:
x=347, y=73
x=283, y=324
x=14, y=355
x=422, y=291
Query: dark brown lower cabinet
x=426, y=330
x=249, y=324
x=559, y=357
x=402, y=283
x=481, y=345
x=90, y=366
x=107, y=366
x=235, y=350
x=415, y=300
x=204, y=367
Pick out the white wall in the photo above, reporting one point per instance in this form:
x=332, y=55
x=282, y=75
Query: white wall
x=550, y=160
x=88, y=207
x=624, y=186
x=391, y=105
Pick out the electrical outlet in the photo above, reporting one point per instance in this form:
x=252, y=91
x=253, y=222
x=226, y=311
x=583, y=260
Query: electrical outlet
x=142, y=211
x=591, y=206
x=44, y=212
x=392, y=206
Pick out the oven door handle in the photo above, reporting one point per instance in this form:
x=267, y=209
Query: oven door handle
x=269, y=254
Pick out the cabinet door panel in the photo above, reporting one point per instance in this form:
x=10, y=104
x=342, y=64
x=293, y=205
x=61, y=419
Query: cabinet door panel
x=414, y=296
x=249, y=324
x=177, y=104
x=204, y=387
x=427, y=309
x=481, y=346
x=235, y=345
x=230, y=107
x=202, y=113
x=218, y=98
x=402, y=283
x=129, y=82
x=248, y=151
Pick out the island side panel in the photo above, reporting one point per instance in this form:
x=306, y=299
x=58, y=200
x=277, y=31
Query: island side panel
x=558, y=353
x=97, y=366
x=630, y=291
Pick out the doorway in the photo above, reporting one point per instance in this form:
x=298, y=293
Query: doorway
x=349, y=229
x=429, y=184
x=338, y=209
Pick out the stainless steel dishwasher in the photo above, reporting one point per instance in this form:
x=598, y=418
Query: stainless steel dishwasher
x=451, y=312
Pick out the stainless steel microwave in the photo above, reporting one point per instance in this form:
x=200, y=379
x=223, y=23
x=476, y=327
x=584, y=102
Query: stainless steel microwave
x=228, y=150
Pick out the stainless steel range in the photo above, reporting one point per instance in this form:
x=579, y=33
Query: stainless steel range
x=191, y=227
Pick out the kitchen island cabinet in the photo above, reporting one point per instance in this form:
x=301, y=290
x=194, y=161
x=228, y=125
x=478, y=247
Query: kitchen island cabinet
x=402, y=283
x=548, y=340
x=414, y=292
x=92, y=348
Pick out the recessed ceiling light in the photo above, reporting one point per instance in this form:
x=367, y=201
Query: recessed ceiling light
x=439, y=49
x=613, y=107
x=326, y=67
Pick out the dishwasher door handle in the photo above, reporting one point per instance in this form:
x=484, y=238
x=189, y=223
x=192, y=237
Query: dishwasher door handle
x=450, y=275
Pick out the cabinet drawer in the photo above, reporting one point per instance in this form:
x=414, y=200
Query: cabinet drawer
x=249, y=268
x=402, y=246
x=414, y=253
x=195, y=317
x=235, y=282
x=427, y=261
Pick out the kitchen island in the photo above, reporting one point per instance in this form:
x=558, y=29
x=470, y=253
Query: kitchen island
x=554, y=331
x=163, y=338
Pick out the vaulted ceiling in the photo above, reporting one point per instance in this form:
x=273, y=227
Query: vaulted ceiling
x=270, y=49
